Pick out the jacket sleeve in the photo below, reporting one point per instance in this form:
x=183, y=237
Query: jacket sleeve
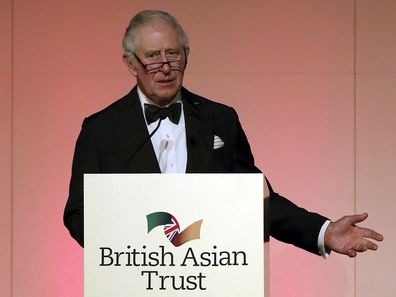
x=85, y=160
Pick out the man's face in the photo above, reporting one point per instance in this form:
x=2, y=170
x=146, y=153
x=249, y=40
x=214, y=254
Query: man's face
x=158, y=42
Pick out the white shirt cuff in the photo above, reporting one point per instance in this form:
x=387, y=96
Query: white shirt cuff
x=321, y=246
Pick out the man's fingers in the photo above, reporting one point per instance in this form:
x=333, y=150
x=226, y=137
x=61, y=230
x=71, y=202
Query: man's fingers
x=351, y=253
x=372, y=246
x=361, y=246
x=369, y=233
x=358, y=218
x=365, y=245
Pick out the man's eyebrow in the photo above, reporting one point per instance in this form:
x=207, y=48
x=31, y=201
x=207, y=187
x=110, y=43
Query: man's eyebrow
x=149, y=52
x=155, y=51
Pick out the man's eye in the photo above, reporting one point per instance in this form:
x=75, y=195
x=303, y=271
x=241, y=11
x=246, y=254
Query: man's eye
x=153, y=55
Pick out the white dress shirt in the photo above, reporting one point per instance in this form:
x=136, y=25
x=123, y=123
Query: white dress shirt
x=169, y=142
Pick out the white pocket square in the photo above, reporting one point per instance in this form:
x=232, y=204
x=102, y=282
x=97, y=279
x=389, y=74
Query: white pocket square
x=217, y=143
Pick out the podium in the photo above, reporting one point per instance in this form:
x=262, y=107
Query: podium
x=175, y=235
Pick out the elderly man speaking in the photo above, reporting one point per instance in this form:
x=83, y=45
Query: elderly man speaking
x=161, y=127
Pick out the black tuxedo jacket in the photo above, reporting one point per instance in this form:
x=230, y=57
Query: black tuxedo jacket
x=115, y=140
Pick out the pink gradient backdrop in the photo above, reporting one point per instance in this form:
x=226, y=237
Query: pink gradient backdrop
x=288, y=67
x=376, y=140
x=5, y=146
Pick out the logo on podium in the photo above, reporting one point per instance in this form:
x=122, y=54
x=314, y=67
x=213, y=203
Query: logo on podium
x=172, y=228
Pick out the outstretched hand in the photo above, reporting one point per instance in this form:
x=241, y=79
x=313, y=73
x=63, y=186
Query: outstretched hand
x=344, y=237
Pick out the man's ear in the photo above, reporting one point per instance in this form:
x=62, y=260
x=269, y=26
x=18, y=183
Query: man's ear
x=187, y=48
x=129, y=64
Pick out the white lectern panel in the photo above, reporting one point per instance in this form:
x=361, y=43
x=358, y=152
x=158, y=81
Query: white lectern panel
x=174, y=235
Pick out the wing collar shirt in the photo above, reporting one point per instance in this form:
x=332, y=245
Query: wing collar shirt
x=169, y=142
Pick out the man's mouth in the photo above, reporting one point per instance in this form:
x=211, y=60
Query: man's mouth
x=165, y=82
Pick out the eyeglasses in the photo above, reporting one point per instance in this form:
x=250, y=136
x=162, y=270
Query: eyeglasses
x=174, y=63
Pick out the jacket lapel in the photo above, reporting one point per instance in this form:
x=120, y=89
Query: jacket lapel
x=138, y=155
x=199, y=135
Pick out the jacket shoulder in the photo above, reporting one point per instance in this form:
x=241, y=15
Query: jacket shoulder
x=110, y=113
x=206, y=104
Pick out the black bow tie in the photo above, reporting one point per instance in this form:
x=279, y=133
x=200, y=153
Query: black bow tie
x=153, y=113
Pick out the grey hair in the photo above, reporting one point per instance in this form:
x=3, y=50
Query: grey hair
x=145, y=17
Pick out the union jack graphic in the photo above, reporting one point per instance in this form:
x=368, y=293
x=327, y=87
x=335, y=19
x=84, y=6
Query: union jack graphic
x=172, y=229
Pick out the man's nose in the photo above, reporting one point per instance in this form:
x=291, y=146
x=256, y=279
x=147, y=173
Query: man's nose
x=165, y=66
x=163, y=57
